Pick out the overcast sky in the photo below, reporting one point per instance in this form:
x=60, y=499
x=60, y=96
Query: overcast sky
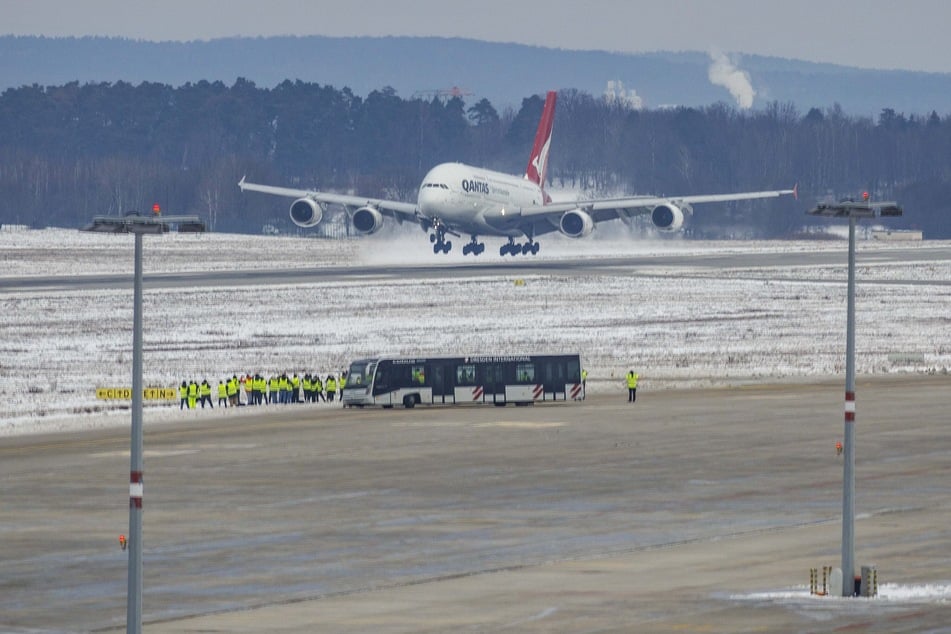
x=906, y=34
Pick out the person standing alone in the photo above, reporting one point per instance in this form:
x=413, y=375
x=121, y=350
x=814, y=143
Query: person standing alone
x=631, y=386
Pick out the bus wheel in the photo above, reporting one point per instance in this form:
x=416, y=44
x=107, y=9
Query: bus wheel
x=409, y=401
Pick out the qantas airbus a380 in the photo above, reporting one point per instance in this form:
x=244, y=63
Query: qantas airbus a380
x=456, y=199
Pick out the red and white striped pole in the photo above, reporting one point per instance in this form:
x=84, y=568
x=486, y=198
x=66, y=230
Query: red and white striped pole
x=848, y=475
x=134, y=596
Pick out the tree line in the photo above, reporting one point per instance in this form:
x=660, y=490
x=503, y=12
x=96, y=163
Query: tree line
x=73, y=151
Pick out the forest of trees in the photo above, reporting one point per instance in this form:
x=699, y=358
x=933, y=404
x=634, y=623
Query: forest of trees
x=70, y=152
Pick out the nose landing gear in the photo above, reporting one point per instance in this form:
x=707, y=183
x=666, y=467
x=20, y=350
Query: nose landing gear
x=438, y=238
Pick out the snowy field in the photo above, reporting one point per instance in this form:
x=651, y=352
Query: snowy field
x=681, y=327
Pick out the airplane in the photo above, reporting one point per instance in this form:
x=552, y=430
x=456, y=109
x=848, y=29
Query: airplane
x=456, y=199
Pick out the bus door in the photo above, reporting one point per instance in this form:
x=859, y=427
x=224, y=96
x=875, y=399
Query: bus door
x=382, y=390
x=442, y=383
x=555, y=379
x=494, y=383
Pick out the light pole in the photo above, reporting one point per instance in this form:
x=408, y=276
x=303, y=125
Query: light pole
x=851, y=210
x=139, y=226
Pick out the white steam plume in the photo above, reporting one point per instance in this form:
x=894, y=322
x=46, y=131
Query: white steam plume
x=722, y=72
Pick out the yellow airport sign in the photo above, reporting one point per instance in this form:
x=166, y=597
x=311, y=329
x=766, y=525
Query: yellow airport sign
x=125, y=393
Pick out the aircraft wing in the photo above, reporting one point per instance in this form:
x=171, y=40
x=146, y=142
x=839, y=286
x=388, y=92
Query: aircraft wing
x=387, y=207
x=608, y=208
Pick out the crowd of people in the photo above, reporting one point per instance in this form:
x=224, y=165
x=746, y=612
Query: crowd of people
x=255, y=389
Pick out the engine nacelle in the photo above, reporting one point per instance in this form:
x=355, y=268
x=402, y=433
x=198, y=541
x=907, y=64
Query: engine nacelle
x=576, y=224
x=667, y=217
x=306, y=212
x=367, y=220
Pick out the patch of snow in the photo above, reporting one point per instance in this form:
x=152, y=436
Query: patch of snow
x=682, y=327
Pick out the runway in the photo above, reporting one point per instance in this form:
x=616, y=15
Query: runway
x=689, y=511
x=666, y=265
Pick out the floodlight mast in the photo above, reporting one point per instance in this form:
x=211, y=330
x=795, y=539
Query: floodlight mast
x=139, y=226
x=851, y=210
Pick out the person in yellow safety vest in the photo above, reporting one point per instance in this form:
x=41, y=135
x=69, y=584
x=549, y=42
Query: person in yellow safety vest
x=232, y=390
x=318, y=389
x=331, y=385
x=205, y=391
x=283, y=388
x=342, y=383
x=256, y=387
x=631, y=386
x=307, y=386
x=584, y=381
x=222, y=394
x=295, y=388
x=273, y=389
x=192, y=394
x=183, y=394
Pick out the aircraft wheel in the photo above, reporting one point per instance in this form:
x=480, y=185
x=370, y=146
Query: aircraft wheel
x=447, y=247
x=479, y=248
x=535, y=248
x=504, y=249
x=466, y=249
x=437, y=248
x=526, y=248
x=516, y=249
x=432, y=237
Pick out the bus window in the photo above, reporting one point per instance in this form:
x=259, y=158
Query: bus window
x=525, y=373
x=419, y=375
x=465, y=375
x=574, y=371
x=381, y=381
x=360, y=374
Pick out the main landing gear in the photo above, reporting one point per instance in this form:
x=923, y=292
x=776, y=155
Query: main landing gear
x=474, y=247
x=514, y=248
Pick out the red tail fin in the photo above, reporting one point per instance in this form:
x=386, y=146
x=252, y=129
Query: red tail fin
x=538, y=161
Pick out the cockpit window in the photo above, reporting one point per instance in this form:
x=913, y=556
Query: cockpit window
x=436, y=185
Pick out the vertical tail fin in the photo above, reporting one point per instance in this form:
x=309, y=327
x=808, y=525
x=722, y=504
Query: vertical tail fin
x=538, y=161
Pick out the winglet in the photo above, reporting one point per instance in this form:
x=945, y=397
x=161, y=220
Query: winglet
x=241, y=182
x=795, y=191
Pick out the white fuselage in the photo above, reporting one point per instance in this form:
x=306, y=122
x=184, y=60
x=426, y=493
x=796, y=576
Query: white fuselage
x=470, y=198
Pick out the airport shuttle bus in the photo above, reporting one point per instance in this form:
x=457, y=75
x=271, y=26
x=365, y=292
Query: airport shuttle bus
x=499, y=380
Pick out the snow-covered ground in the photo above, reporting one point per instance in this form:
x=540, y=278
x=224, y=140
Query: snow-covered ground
x=682, y=327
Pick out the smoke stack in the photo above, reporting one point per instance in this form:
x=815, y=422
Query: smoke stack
x=722, y=72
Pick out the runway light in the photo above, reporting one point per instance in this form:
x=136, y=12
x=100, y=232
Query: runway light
x=122, y=542
x=838, y=448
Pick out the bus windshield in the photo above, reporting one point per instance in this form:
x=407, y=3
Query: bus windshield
x=360, y=374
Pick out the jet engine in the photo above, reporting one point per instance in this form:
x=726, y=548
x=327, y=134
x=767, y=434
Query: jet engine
x=576, y=224
x=306, y=212
x=667, y=217
x=367, y=220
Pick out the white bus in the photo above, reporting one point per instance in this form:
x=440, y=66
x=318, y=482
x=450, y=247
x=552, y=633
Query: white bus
x=499, y=380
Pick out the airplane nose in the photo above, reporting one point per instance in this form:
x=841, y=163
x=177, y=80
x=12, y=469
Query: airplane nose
x=429, y=199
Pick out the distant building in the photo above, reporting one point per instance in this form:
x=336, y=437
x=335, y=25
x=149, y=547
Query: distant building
x=897, y=234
